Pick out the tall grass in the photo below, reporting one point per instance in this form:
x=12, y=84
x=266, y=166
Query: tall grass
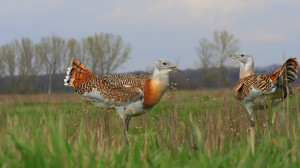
x=186, y=129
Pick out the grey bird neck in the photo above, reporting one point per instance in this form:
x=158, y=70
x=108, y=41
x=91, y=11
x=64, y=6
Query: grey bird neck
x=162, y=76
x=246, y=69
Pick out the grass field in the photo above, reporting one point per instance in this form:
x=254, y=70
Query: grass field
x=186, y=129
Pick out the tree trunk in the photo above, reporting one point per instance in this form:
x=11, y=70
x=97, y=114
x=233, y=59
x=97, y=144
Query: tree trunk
x=49, y=84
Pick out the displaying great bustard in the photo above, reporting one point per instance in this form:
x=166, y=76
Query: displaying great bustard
x=131, y=95
x=254, y=90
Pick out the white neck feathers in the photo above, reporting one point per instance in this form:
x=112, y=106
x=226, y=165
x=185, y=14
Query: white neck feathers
x=246, y=69
x=161, y=76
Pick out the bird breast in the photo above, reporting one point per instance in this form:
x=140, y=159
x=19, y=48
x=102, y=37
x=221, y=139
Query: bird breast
x=153, y=92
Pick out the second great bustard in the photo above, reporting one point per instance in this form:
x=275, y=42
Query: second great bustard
x=131, y=95
x=254, y=90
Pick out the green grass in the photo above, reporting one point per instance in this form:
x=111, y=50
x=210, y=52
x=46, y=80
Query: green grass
x=186, y=129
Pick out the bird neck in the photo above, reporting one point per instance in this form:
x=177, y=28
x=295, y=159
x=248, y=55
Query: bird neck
x=246, y=69
x=161, y=77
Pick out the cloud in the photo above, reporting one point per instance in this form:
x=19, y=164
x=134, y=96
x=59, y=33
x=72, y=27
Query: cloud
x=184, y=13
x=263, y=36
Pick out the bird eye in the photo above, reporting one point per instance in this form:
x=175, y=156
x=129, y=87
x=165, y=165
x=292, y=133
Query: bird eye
x=164, y=63
x=242, y=55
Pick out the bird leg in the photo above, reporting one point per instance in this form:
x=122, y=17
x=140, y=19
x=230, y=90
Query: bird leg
x=249, y=108
x=125, y=121
x=252, y=132
x=252, y=139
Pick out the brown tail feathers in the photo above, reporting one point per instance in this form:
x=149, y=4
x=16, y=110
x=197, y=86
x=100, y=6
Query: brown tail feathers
x=287, y=72
x=77, y=74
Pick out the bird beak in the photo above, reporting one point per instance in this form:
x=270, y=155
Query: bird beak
x=174, y=68
x=233, y=56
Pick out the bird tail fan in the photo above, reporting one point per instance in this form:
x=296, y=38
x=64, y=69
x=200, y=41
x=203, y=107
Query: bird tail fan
x=77, y=74
x=287, y=73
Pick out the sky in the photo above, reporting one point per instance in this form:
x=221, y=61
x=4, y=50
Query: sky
x=155, y=29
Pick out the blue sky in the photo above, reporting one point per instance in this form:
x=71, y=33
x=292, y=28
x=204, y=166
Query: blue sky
x=161, y=28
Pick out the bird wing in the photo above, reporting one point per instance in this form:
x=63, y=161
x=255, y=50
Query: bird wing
x=119, y=89
x=261, y=83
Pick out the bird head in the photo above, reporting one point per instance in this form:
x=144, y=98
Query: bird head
x=242, y=58
x=246, y=64
x=165, y=66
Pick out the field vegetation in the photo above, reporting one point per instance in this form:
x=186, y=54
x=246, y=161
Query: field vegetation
x=196, y=128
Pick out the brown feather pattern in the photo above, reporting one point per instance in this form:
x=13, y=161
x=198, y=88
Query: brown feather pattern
x=261, y=82
x=79, y=74
x=288, y=70
x=112, y=86
x=120, y=87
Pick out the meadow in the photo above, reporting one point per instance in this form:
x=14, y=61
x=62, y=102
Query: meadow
x=195, y=128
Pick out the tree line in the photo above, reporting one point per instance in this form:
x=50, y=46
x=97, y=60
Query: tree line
x=28, y=67
x=21, y=61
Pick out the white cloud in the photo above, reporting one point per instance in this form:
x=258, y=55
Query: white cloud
x=183, y=13
x=262, y=36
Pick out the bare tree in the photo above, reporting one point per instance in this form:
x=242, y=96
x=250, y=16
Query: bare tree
x=9, y=59
x=2, y=65
x=107, y=52
x=29, y=64
x=204, y=52
x=94, y=51
x=84, y=51
x=76, y=50
x=224, y=44
x=52, y=51
x=9, y=56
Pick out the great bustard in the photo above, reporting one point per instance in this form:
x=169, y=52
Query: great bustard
x=254, y=90
x=131, y=95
